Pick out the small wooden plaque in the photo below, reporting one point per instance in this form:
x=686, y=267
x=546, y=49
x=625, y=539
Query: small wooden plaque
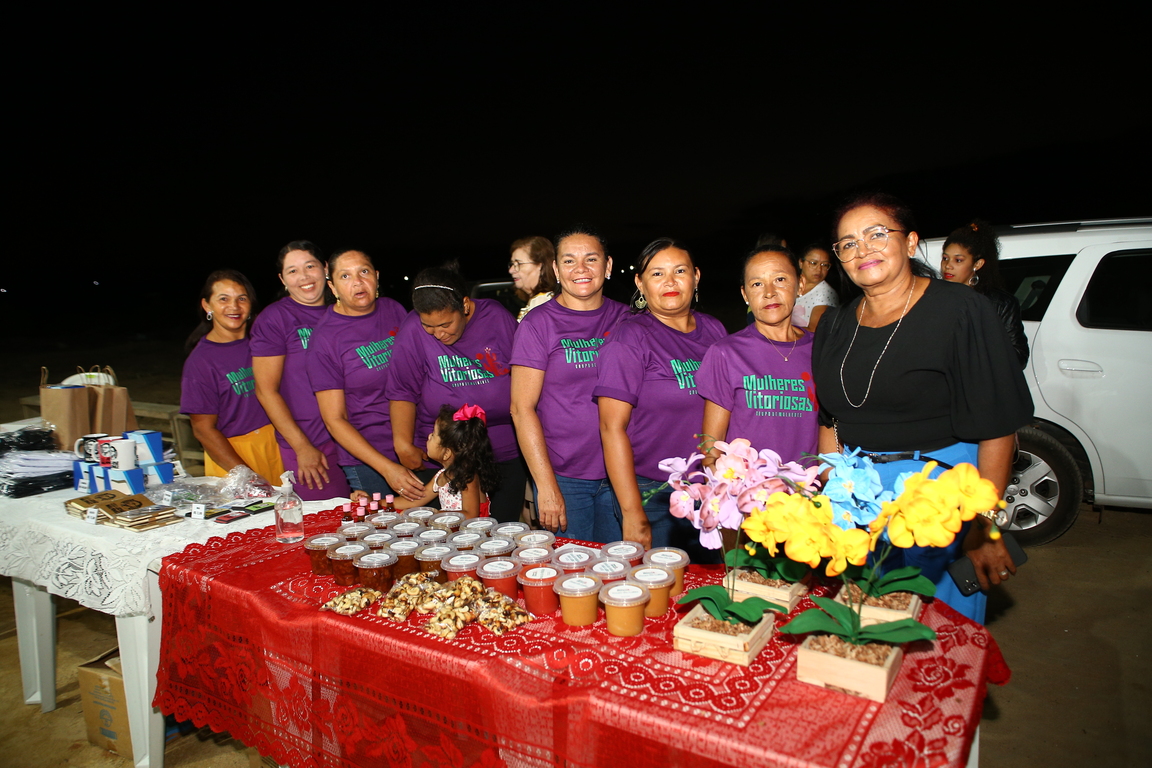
x=736, y=649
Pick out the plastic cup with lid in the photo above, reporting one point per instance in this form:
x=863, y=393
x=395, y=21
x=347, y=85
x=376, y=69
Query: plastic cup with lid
x=659, y=581
x=624, y=606
x=500, y=574
x=632, y=551
x=317, y=548
x=578, y=594
x=537, y=581
x=343, y=569
x=672, y=558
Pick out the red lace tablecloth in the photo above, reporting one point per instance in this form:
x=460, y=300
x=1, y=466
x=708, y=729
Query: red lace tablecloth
x=245, y=650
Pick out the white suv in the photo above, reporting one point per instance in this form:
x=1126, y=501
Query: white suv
x=1086, y=302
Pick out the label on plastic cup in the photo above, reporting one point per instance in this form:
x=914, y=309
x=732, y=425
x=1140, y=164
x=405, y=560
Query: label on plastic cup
x=491, y=544
x=511, y=529
x=541, y=573
x=355, y=529
x=348, y=549
x=650, y=574
x=625, y=592
x=608, y=566
x=534, y=538
x=534, y=552
x=574, y=557
x=579, y=583
x=622, y=550
x=404, y=546
x=405, y=527
x=436, y=551
x=665, y=557
x=374, y=537
x=376, y=559
x=467, y=538
x=326, y=541
x=463, y=561
x=433, y=534
x=447, y=519
x=497, y=567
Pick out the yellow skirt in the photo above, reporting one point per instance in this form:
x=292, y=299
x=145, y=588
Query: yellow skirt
x=258, y=450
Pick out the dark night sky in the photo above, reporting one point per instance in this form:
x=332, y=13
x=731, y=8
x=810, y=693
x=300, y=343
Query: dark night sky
x=152, y=150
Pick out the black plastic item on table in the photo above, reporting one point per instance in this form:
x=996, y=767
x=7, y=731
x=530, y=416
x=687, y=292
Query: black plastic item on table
x=27, y=439
x=30, y=486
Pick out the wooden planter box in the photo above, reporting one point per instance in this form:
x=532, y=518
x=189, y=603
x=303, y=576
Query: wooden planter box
x=874, y=614
x=786, y=597
x=737, y=649
x=856, y=677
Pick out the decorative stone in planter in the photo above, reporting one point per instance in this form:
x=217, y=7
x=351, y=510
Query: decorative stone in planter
x=737, y=649
x=787, y=596
x=848, y=675
x=875, y=614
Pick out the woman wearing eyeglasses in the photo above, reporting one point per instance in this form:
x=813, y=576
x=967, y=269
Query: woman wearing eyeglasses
x=531, y=270
x=918, y=370
x=815, y=295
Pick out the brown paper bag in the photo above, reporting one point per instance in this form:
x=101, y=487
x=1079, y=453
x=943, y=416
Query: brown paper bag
x=112, y=408
x=66, y=411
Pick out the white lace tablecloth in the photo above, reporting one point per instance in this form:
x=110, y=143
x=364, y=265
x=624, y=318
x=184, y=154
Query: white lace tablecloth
x=99, y=566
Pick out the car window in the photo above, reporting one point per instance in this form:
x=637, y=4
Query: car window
x=1033, y=281
x=1117, y=298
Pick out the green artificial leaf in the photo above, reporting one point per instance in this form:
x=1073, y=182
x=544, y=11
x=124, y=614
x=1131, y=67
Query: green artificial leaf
x=813, y=620
x=739, y=558
x=921, y=585
x=897, y=632
x=752, y=610
x=714, y=598
x=790, y=570
x=845, y=616
x=857, y=573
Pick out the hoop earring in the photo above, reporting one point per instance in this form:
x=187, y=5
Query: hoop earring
x=974, y=280
x=209, y=317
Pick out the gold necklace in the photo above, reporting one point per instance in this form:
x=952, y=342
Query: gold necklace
x=785, y=356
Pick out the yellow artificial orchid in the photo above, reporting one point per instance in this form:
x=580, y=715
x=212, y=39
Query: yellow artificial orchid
x=976, y=494
x=848, y=546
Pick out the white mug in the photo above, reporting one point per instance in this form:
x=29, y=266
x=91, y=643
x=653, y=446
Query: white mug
x=85, y=448
x=124, y=456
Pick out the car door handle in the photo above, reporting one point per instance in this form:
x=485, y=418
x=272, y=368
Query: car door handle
x=1080, y=366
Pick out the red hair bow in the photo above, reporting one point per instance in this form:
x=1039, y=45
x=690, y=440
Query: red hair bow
x=470, y=412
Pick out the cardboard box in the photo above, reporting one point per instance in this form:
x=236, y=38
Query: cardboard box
x=102, y=699
x=149, y=445
x=160, y=473
x=128, y=481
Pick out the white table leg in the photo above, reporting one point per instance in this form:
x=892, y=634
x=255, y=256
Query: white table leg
x=974, y=753
x=139, y=638
x=36, y=639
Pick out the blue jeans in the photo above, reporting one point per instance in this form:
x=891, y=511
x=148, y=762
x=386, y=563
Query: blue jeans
x=591, y=508
x=362, y=477
x=670, y=531
x=933, y=562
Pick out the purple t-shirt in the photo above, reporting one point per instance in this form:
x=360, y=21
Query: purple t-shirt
x=565, y=344
x=218, y=379
x=283, y=330
x=474, y=370
x=357, y=354
x=772, y=401
x=652, y=367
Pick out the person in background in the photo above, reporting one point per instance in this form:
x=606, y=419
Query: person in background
x=918, y=370
x=554, y=364
x=280, y=337
x=757, y=383
x=646, y=389
x=349, y=362
x=815, y=295
x=531, y=271
x=455, y=350
x=972, y=257
x=217, y=389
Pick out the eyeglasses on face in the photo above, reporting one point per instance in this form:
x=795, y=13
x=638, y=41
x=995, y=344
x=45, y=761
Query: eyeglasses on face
x=874, y=239
x=819, y=264
x=517, y=265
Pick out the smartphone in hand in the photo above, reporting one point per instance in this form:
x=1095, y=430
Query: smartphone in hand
x=963, y=571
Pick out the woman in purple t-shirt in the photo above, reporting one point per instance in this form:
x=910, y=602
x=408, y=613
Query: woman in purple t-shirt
x=757, y=383
x=280, y=338
x=217, y=390
x=455, y=351
x=553, y=374
x=349, y=363
x=646, y=389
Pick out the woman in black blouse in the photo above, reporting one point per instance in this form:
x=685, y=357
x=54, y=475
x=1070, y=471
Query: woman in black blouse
x=917, y=370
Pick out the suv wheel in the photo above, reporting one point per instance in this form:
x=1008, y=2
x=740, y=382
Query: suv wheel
x=1044, y=489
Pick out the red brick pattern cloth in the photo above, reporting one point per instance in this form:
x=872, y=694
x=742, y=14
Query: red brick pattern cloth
x=245, y=650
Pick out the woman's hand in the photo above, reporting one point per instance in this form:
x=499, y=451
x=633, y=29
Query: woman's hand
x=411, y=457
x=357, y=495
x=636, y=528
x=991, y=559
x=551, y=509
x=403, y=481
x=312, y=467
